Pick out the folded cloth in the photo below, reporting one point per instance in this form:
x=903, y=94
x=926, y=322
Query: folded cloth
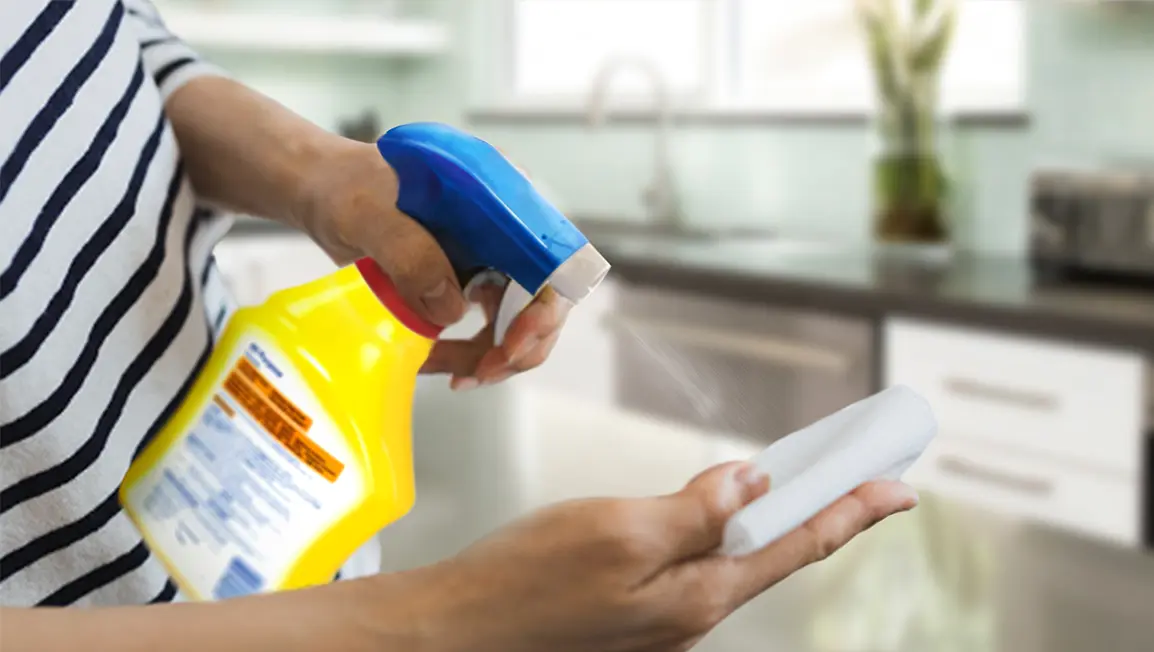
x=877, y=438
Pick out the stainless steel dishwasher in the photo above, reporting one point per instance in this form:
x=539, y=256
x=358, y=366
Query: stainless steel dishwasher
x=743, y=368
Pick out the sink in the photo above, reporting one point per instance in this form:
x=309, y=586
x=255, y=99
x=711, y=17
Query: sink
x=605, y=228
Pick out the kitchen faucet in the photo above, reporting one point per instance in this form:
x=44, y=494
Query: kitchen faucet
x=660, y=197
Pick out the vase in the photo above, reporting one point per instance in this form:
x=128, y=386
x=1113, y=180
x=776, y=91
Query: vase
x=910, y=185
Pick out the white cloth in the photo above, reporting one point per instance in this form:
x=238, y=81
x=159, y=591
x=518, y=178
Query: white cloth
x=877, y=438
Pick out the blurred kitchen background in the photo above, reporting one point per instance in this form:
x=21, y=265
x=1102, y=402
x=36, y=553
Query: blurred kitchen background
x=804, y=201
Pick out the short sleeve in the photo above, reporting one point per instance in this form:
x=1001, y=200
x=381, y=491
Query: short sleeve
x=170, y=61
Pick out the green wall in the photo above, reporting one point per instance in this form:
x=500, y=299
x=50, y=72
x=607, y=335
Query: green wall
x=1091, y=97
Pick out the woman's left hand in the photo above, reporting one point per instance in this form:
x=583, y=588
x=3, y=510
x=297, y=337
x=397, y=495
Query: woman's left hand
x=348, y=206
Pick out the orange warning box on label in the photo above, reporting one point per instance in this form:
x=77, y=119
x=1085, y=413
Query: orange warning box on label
x=250, y=372
x=279, y=417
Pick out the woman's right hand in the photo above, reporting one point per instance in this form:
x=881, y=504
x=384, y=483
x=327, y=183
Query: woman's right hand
x=607, y=575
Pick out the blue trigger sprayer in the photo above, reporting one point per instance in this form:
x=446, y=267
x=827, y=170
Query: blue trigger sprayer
x=488, y=217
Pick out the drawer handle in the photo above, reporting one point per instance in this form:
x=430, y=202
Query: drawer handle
x=766, y=349
x=972, y=471
x=1150, y=223
x=974, y=389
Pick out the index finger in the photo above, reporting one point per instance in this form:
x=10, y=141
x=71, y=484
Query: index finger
x=530, y=335
x=418, y=267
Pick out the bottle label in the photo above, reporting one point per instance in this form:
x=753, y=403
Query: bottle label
x=236, y=500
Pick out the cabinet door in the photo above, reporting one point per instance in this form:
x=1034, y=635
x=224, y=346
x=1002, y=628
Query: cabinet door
x=756, y=371
x=1077, y=404
x=1042, y=431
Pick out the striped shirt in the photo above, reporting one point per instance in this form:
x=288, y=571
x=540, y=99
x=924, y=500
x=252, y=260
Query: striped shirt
x=104, y=261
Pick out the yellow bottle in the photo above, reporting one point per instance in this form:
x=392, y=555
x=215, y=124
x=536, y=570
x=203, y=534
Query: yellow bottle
x=293, y=447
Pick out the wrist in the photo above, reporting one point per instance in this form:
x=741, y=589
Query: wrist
x=409, y=611
x=334, y=183
x=312, y=157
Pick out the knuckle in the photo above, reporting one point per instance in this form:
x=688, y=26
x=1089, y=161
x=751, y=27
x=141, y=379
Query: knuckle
x=539, y=354
x=532, y=361
x=874, y=518
x=823, y=543
x=608, y=519
x=708, y=613
x=625, y=601
x=619, y=533
x=707, y=607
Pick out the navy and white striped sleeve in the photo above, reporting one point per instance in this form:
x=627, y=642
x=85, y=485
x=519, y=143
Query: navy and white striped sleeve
x=170, y=61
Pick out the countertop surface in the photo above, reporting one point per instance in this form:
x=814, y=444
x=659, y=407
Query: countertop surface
x=998, y=292
x=486, y=457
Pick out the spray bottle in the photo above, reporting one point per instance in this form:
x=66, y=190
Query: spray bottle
x=293, y=447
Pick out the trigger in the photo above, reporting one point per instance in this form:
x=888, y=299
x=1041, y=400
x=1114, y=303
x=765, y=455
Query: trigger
x=486, y=277
x=514, y=301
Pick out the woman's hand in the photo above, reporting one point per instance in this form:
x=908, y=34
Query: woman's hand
x=636, y=575
x=623, y=575
x=347, y=203
x=247, y=153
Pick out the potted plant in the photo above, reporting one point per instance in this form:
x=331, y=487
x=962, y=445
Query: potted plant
x=908, y=41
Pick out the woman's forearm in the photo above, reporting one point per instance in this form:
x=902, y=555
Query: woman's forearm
x=244, y=151
x=347, y=616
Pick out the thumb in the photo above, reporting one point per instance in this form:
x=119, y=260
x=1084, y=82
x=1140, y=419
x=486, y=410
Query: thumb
x=696, y=515
x=419, y=268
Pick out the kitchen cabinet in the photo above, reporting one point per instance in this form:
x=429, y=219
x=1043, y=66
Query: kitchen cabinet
x=255, y=266
x=1075, y=403
x=1041, y=430
x=751, y=370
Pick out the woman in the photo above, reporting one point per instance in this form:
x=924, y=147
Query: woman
x=115, y=138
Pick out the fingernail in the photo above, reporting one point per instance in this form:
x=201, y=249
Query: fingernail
x=757, y=479
x=438, y=290
x=910, y=496
x=444, y=308
x=751, y=477
x=465, y=384
x=744, y=486
x=499, y=378
x=523, y=349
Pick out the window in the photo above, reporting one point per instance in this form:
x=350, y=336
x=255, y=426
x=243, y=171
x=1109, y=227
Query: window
x=757, y=55
x=561, y=44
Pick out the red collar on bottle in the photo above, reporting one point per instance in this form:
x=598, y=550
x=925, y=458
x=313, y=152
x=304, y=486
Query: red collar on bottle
x=386, y=292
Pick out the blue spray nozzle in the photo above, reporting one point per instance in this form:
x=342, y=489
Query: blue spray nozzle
x=482, y=211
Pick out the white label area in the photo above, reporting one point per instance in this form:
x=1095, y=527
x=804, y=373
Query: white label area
x=237, y=499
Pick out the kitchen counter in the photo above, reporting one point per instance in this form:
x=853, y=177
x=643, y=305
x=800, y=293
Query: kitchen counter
x=998, y=292
x=564, y=431
x=985, y=291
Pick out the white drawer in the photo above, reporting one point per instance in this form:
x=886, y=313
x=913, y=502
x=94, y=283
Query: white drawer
x=1023, y=486
x=1071, y=403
